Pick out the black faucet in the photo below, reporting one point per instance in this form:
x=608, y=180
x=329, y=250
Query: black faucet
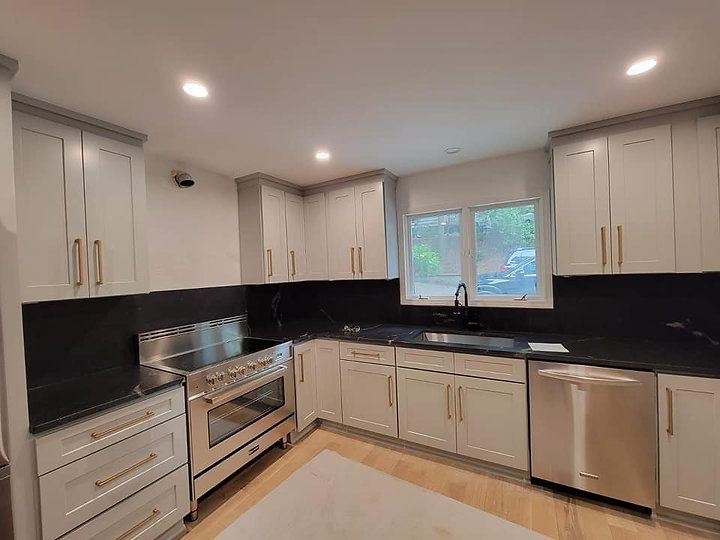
x=464, y=312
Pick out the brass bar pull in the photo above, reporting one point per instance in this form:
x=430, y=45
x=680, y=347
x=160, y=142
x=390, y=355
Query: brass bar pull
x=671, y=422
x=390, y=390
x=270, y=268
x=292, y=261
x=352, y=260
x=80, y=262
x=360, y=261
x=449, y=404
x=369, y=355
x=460, y=410
x=101, y=434
x=127, y=534
x=620, y=244
x=100, y=266
x=302, y=367
x=131, y=468
x=603, y=241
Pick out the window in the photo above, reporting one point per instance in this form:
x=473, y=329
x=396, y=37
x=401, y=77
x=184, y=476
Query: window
x=500, y=251
x=434, y=262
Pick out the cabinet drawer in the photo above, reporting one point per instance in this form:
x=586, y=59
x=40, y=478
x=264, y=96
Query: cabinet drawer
x=490, y=367
x=145, y=515
x=72, y=443
x=424, y=359
x=72, y=494
x=362, y=352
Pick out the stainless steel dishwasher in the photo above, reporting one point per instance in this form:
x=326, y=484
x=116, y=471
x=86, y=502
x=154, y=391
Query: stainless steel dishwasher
x=595, y=429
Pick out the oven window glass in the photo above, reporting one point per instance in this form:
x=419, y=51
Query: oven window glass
x=229, y=418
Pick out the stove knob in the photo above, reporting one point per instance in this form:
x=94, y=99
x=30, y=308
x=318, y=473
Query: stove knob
x=252, y=365
x=211, y=379
x=232, y=372
x=220, y=375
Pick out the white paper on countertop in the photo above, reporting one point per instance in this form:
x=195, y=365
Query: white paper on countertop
x=548, y=347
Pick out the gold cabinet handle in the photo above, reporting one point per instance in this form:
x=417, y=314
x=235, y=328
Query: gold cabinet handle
x=270, y=268
x=369, y=355
x=302, y=367
x=620, y=244
x=449, y=404
x=360, y=260
x=101, y=434
x=603, y=241
x=671, y=422
x=127, y=534
x=390, y=392
x=352, y=260
x=80, y=262
x=460, y=408
x=131, y=468
x=292, y=261
x=100, y=266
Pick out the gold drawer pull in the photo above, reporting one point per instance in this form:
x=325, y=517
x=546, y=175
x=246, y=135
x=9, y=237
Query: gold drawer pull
x=390, y=390
x=302, y=367
x=360, y=261
x=292, y=262
x=101, y=434
x=449, y=393
x=460, y=412
x=603, y=241
x=270, y=268
x=621, y=255
x=369, y=355
x=80, y=262
x=671, y=421
x=127, y=534
x=352, y=260
x=131, y=468
x=100, y=266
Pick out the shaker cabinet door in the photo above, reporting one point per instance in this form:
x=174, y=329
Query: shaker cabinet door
x=52, y=245
x=327, y=370
x=274, y=235
x=115, y=198
x=316, y=245
x=305, y=384
x=296, y=237
x=369, y=399
x=709, y=161
x=370, y=226
x=341, y=234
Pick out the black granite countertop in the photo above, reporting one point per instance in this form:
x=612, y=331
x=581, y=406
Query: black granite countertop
x=63, y=402
x=687, y=355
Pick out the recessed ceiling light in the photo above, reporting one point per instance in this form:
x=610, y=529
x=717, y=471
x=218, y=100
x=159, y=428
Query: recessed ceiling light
x=452, y=150
x=195, y=89
x=641, y=66
x=322, y=155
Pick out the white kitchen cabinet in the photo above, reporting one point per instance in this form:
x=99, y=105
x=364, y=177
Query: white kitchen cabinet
x=115, y=209
x=641, y=201
x=426, y=408
x=362, y=230
x=274, y=235
x=689, y=437
x=81, y=212
x=296, y=237
x=316, y=246
x=327, y=373
x=306, y=411
x=582, y=206
x=709, y=164
x=492, y=421
x=368, y=397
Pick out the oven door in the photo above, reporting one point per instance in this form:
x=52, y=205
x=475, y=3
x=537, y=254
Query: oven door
x=224, y=420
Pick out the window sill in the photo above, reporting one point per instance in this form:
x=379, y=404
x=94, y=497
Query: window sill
x=535, y=303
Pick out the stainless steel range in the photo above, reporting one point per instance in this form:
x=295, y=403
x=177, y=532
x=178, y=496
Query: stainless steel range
x=240, y=392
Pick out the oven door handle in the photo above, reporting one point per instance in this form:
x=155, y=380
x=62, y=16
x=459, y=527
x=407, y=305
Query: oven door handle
x=225, y=394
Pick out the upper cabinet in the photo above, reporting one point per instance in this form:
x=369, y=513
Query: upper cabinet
x=316, y=248
x=614, y=207
x=296, y=237
x=362, y=231
x=80, y=211
x=709, y=156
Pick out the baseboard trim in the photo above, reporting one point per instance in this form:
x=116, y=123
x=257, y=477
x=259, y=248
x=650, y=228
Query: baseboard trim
x=692, y=521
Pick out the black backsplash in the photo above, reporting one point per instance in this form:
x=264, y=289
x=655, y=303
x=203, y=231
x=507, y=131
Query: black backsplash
x=67, y=338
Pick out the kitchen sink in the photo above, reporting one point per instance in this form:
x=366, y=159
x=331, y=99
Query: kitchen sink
x=479, y=340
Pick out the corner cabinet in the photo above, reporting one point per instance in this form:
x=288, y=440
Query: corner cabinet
x=709, y=161
x=362, y=230
x=81, y=212
x=689, y=437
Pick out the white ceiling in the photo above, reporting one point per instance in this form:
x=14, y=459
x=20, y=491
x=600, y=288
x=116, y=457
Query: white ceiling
x=380, y=83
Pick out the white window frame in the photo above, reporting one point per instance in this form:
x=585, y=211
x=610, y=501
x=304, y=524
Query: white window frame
x=543, y=255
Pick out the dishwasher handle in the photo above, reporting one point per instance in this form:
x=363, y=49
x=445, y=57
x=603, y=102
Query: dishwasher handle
x=571, y=377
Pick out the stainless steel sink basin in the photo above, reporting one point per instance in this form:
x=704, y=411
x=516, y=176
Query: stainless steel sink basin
x=492, y=342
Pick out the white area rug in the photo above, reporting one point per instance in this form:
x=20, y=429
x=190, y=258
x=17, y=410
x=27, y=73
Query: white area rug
x=332, y=497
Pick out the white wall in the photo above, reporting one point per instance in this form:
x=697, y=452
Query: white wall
x=12, y=358
x=193, y=235
x=505, y=178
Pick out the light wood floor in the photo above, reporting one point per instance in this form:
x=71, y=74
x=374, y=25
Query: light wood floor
x=554, y=515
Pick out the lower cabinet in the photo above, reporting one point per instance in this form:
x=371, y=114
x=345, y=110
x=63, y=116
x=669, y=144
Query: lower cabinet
x=368, y=397
x=426, y=408
x=689, y=437
x=492, y=421
x=305, y=385
x=327, y=373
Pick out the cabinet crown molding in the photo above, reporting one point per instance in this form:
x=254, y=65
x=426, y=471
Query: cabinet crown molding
x=260, y=178
x=9, y=65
